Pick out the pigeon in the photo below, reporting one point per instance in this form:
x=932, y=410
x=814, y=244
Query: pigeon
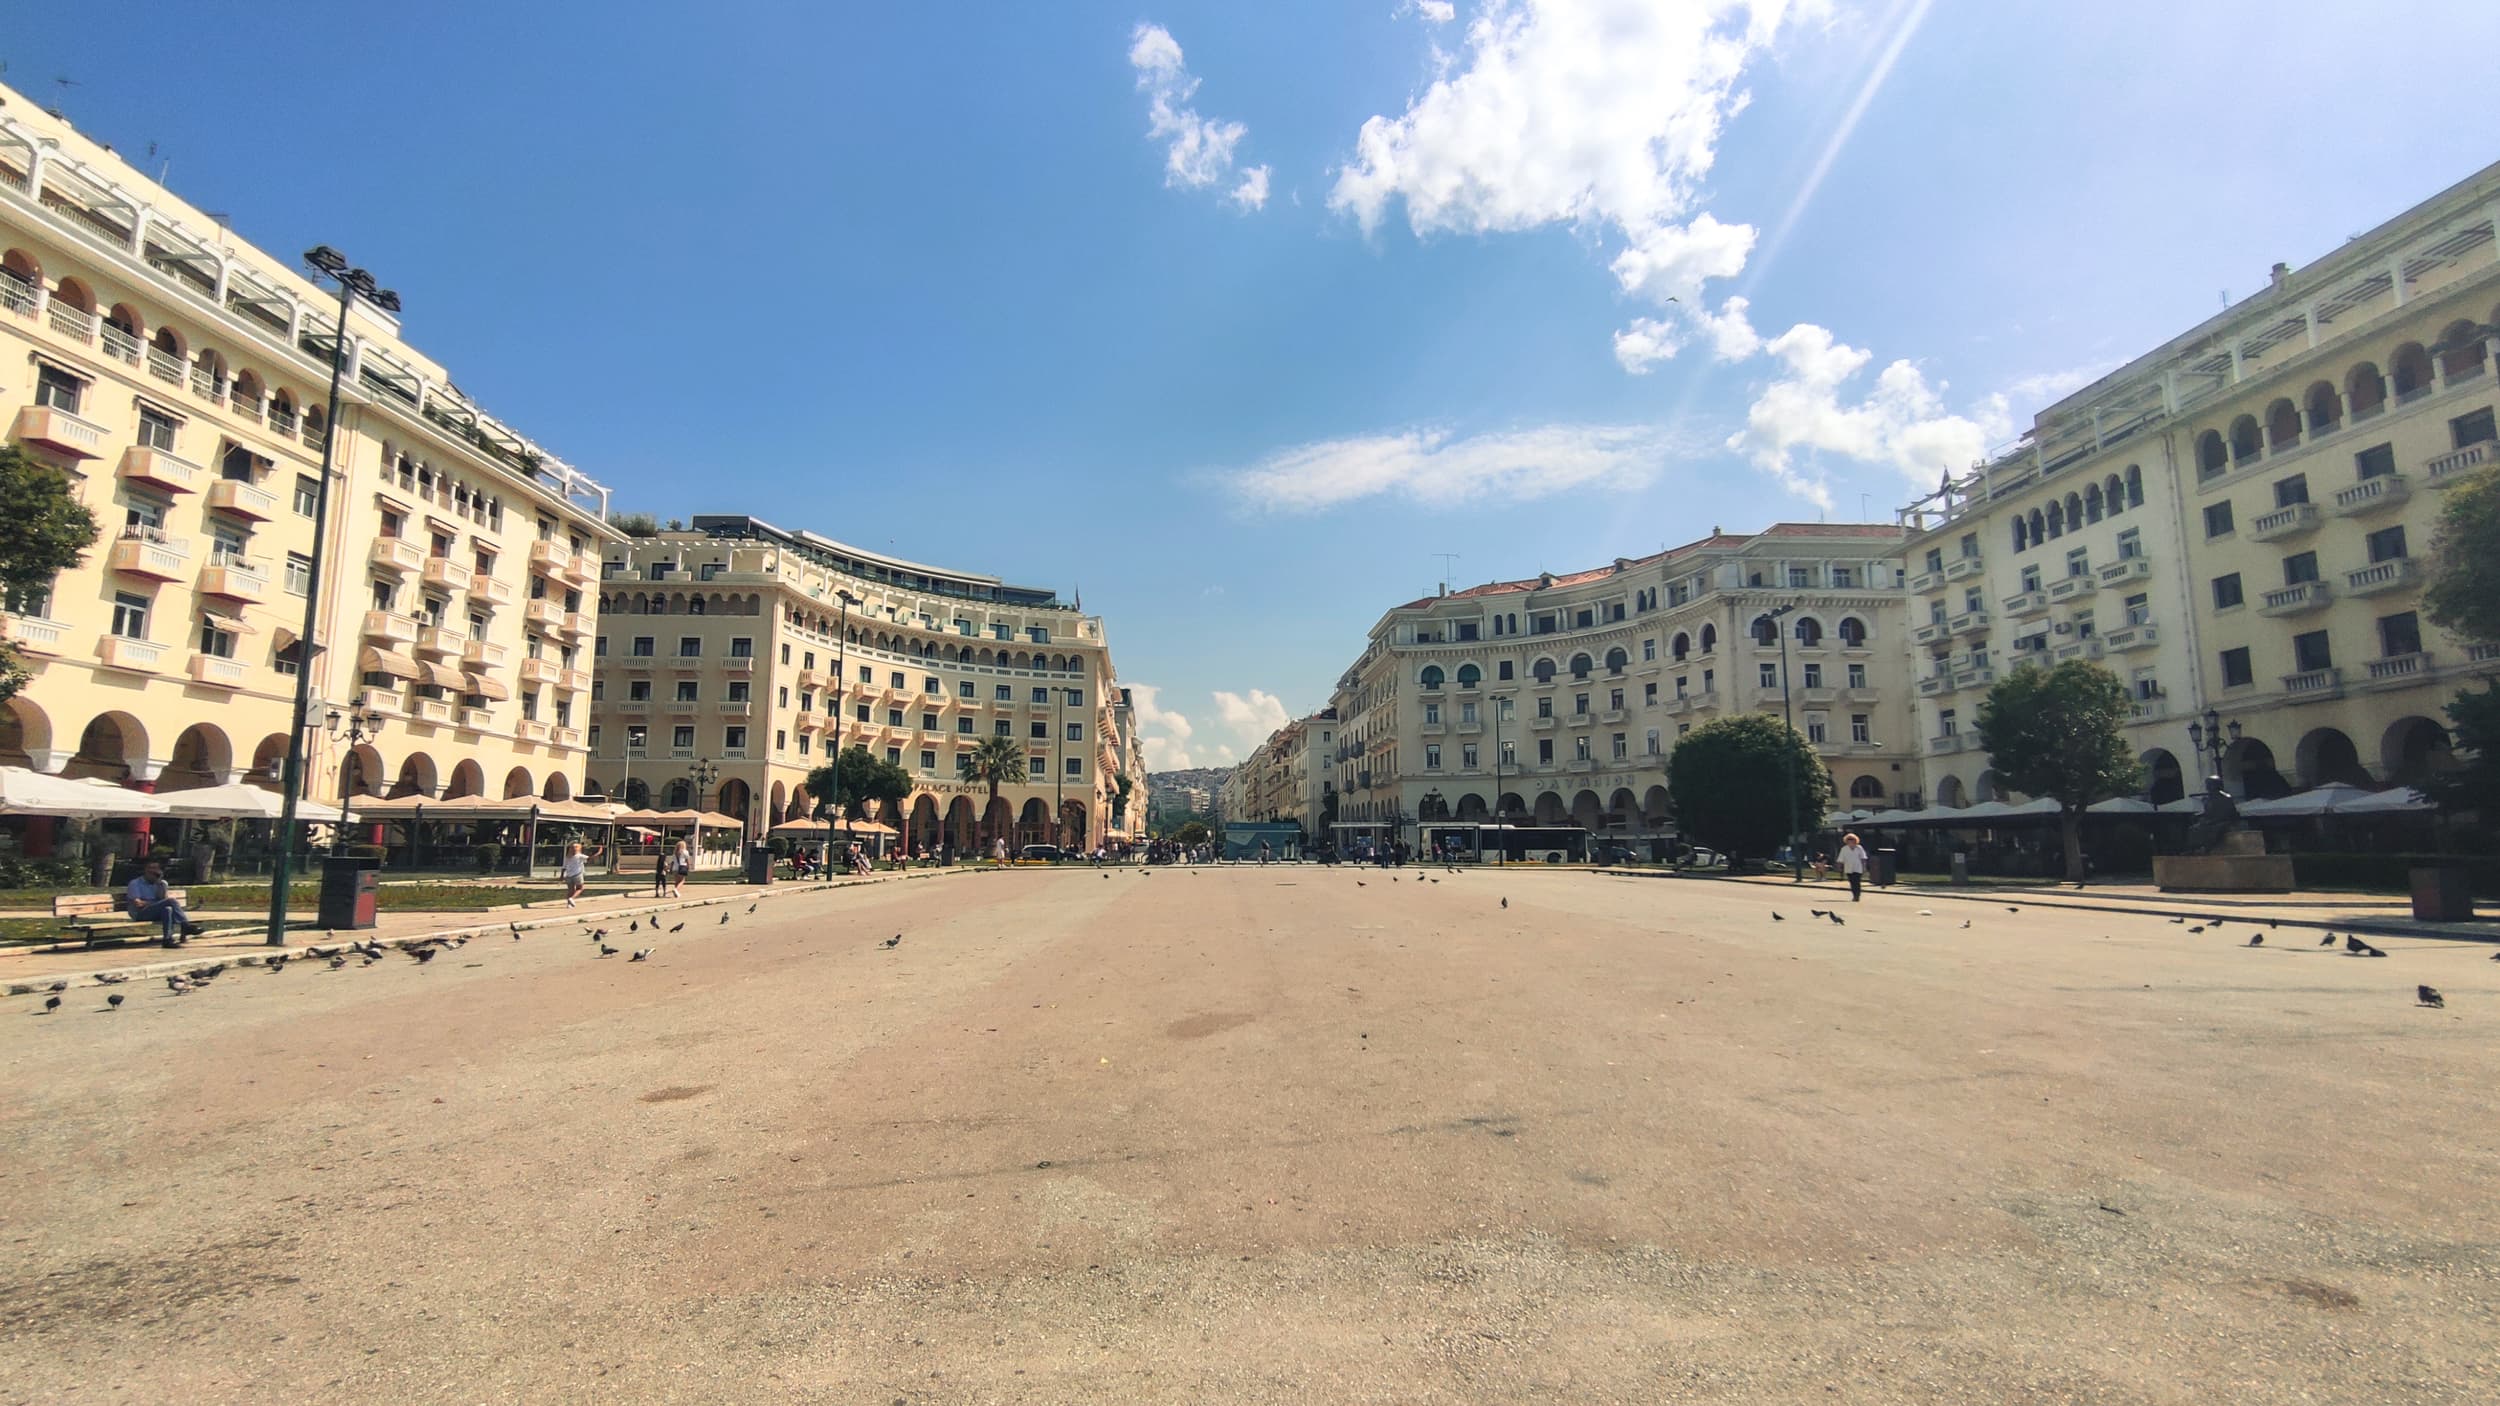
x=111, y=978
x=895, y=941
x=724, y=920
x=113, y=1002
x=53, y=1003
x=1820, y=912
x=2200, y=927
x=58, y=986
x=1966, y=922
x=1358, y=883
x=642, y=956
x=1836, y=920
x=276, y=965
x=1775, y=917
x=337, y=962
x=634, y=926
x=2327, y=941
x=516, y=929
x=176, y=984
x=2176, y=921
x=2010, y=908
x=2274, y=922
x=1505, y=903
x=606, y=951
x=2257, y=939
x=2495, y=956
x=2429, y=996
x=2359, y=948
x=681, y=927
x=751, y=907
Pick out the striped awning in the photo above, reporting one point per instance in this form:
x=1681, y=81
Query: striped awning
x=487, y=687
x=445, y=676
x=383, y=661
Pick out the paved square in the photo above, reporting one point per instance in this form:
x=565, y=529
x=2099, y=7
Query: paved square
x=1265, y=1135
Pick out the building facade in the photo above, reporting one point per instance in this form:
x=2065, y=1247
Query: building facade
x=2239, y=521
x=177, y=376
x=1555, y=700
x=1288, y=777
x=762, y=652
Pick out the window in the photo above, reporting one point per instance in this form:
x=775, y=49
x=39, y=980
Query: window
x=2476, y=428
x=2377, y=461
x=2311, y=652
x=2139, y=609
x=1041, y=732
x=298, y=574
x=1649, y=695
x=1843, y=578
x=1001, y=728
x=2218, y=520
x=734, y=738
x=2078, y=562
x=1545, y=751
x=785, y=652
x=1935, y=559
x=643, y=646
x=130, y=616
x=307, y=495
x=57, y=388
x=2130, y=544
x=2236, y=672
x=2387, y=544
x=1510, y=753
x=638, y=690
x=1579, y=749
x=1857, y=676
x=681, y=736
x=743, y=647
x=2300, y=567
x=928, y=760
x=781, y=739
x=1799, y=578
x=1614, y=699
x=1815, y=729
x=1432, y=712
x=1580, y=705
x=1947, y=723
x=1770, y=675
x=2031, y=578
x=965, y=690
x=1622, y=746
x=1502, y=671
x=740, y=691
x=1859, y=729
x=1033, y=766
x=930, y=687
x=1649, y=742
x=1432, y=756
x=1004, y=693
x=215, y=639
x=2399, y=634
x=2227, y=591
x=2291, y=491
x=689, y=691
x=1467, y=711
x=1814, y=676
x=1076, y=766
x=1466, y=630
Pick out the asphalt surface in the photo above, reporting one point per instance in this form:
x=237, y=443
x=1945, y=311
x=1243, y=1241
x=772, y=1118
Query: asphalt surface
x=1264, y=1135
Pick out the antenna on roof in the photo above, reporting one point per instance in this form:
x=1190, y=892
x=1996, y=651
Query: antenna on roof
x=63, y=100
x=1446, y=559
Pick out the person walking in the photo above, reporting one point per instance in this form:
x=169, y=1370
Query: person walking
x=148, y=897
x=680, y=864
x=575, y=871
x=1853, y=864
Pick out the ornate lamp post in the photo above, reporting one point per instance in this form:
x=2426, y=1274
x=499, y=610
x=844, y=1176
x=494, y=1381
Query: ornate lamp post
x=2211, y=737
x=360, y=723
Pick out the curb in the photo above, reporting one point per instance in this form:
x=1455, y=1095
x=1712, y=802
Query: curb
x=2377, y=927
x=259, y=956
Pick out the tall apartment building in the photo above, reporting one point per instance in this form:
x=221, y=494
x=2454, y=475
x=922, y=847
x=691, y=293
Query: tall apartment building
x=1557, y=699
x=731, y=643
x=2237, y=521
x=1281, y=780
x=177, y=376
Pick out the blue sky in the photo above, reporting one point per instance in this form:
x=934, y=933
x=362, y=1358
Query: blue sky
x=987, y=286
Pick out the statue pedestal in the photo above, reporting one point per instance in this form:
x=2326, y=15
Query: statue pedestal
x=2239, y=864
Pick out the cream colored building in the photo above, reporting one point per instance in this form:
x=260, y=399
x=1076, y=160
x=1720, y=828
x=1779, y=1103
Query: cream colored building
x=178, y=377
x=2240, y=521
x=1288, y=776
x=1556, y=699
x=729, y=643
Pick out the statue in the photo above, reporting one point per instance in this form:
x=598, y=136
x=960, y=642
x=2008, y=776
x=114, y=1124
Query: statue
x=2221, y=818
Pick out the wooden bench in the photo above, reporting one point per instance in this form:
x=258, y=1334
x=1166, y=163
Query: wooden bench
x=93, y=919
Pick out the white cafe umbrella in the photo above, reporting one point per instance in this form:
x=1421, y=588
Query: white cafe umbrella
x=24, y=792
x=2328, y=799
x=240, y=800
x=2402, y=798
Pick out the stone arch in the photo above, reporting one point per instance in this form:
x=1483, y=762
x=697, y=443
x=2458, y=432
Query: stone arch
x=1623, y=809
x=1582, y=665
x=1075, y=824
x=1588, y=812
x=361, y=770
x=1471, y=807
x=2282, y=425
x=2022, y=533
x=248, y=392
x=1033, y=823
x=75, y=294
x=1617, y=660
x=2409, y=372
x=1430, y=679
x=1809, y=632
x=2248, y=771
x=24, y=731
x=961, y=825
x=467, y=779
x=1510, y=806
x=2325, y=754
x=2163, y=781
x=518, y=783
x=924, y=821
x=201, y=757
x=2326, y=408
x=997, y=819
x=2460, y=349
x=1764, y=630
x=2057, y=520
x=737, y=798
x=1852, y=632
x=557, y=787
x=1470, y=675
x=1867, y=788
x=2135, y=485
x=25, y=270
x=2247, y=440
x=1542, y=670
x=1549, y=809
x=168, y=341
x=416, y=776
x=780, y=797
x=108, y=746
x=1949, y=793
x=1709, y=637
x=1655, y=803
x=2212, y=455
x=269, y=761
x=2092, y=503
x=2114, y=493
x=2074, y=510
x=2365, y=390
x=1680, y=646
x=2414, y=749
x=2039, y=527
x=1988, y=787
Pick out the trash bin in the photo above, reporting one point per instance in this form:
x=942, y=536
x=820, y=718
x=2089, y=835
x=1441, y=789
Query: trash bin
x=1887, y=864
x=2442, y=893
x=759, y=864
x=1961, y=867
x=351, y=892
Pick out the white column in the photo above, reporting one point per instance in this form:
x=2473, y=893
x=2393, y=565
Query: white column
x=38, y=157
x=2396, y=276
x=224, y=267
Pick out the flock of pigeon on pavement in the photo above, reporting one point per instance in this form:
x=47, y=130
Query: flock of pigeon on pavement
x=425, y=950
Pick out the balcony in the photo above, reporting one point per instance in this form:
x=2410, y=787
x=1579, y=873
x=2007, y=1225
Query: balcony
x=2073, y=587
x=2399, y=668
x=637, y=707
x=573, y=680
x=481, y=655
x=1431, y=729
x=1470, y=729
x=741, y=664
x=1932, y=633
x=32, y=634
x=2295, y=600
x=2314, y=686
x=2125, y=569
x=235, y=578
x=1966, y=679
x=1946, y=744
x=1969, y=622
x=158, y=469
x=1544, y=723
x=1927, y=581
x=2378, y=578
x=443, y=640
x=2293, y=521
x=488, y=589
x=543, y=613
x=1962, y=568
x=432, y=710
x=475, y=719
x=1676, y=704
x=2372, y=495
x=2026, y=604
x=60, y=431
x=144, y=551
x=811, y=681
x=2075, y=649
x=382, y=700
x=535, y=671
x=243, y=500
x=395, y=629
x=134, y=656
x=446, y=573
x=577, y=624
x=572, y=737
x=738, y=708
x=550, y=557
x=1934, y=685
x=1582, y=764
x=2447, y=468
x=1813, y=697
x=585, y=569
x=1612, y=717
x=396, y=554
x=695, y=705
x=2127, y=639
x=532, y=730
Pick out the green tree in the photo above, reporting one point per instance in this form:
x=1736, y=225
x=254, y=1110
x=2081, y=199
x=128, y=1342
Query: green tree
x=1192, y=832
x=847, y=784
x=44, y=531
x=2474, y=782
x=992, y=763
x=1738, y=782
x=2463, y=593
x=2061, y=733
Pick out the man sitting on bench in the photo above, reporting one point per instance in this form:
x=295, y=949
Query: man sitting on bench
x=147, y=899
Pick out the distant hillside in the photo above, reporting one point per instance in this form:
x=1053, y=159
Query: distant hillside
x=1205, y=777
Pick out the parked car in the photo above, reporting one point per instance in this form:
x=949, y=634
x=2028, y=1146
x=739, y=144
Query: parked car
x=1040, y=854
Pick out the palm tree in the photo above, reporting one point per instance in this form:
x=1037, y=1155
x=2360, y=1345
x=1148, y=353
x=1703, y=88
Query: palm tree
x=992, y=761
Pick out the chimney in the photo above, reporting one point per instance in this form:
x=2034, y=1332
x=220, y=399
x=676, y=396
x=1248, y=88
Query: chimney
x=1445, y=589
x=2282, y=274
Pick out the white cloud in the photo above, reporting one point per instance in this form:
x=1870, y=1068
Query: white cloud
x=1599, y=113
x=1198, y=150
x=1648, y=341
x=1252, y=716
x=1731, y=333
x=2046, y=388
x=1167, y=732
x=1902, y=421
x=1438, y=469
x=1251, y=194
x=1436, y=11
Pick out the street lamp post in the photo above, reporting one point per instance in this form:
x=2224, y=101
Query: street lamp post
x=1059, y=781
x=1501, y=705
x=2211, y=738
x=703, y=773
x=353, y=283
x=1788, y=754
x=841, y=671
x=361, y=723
